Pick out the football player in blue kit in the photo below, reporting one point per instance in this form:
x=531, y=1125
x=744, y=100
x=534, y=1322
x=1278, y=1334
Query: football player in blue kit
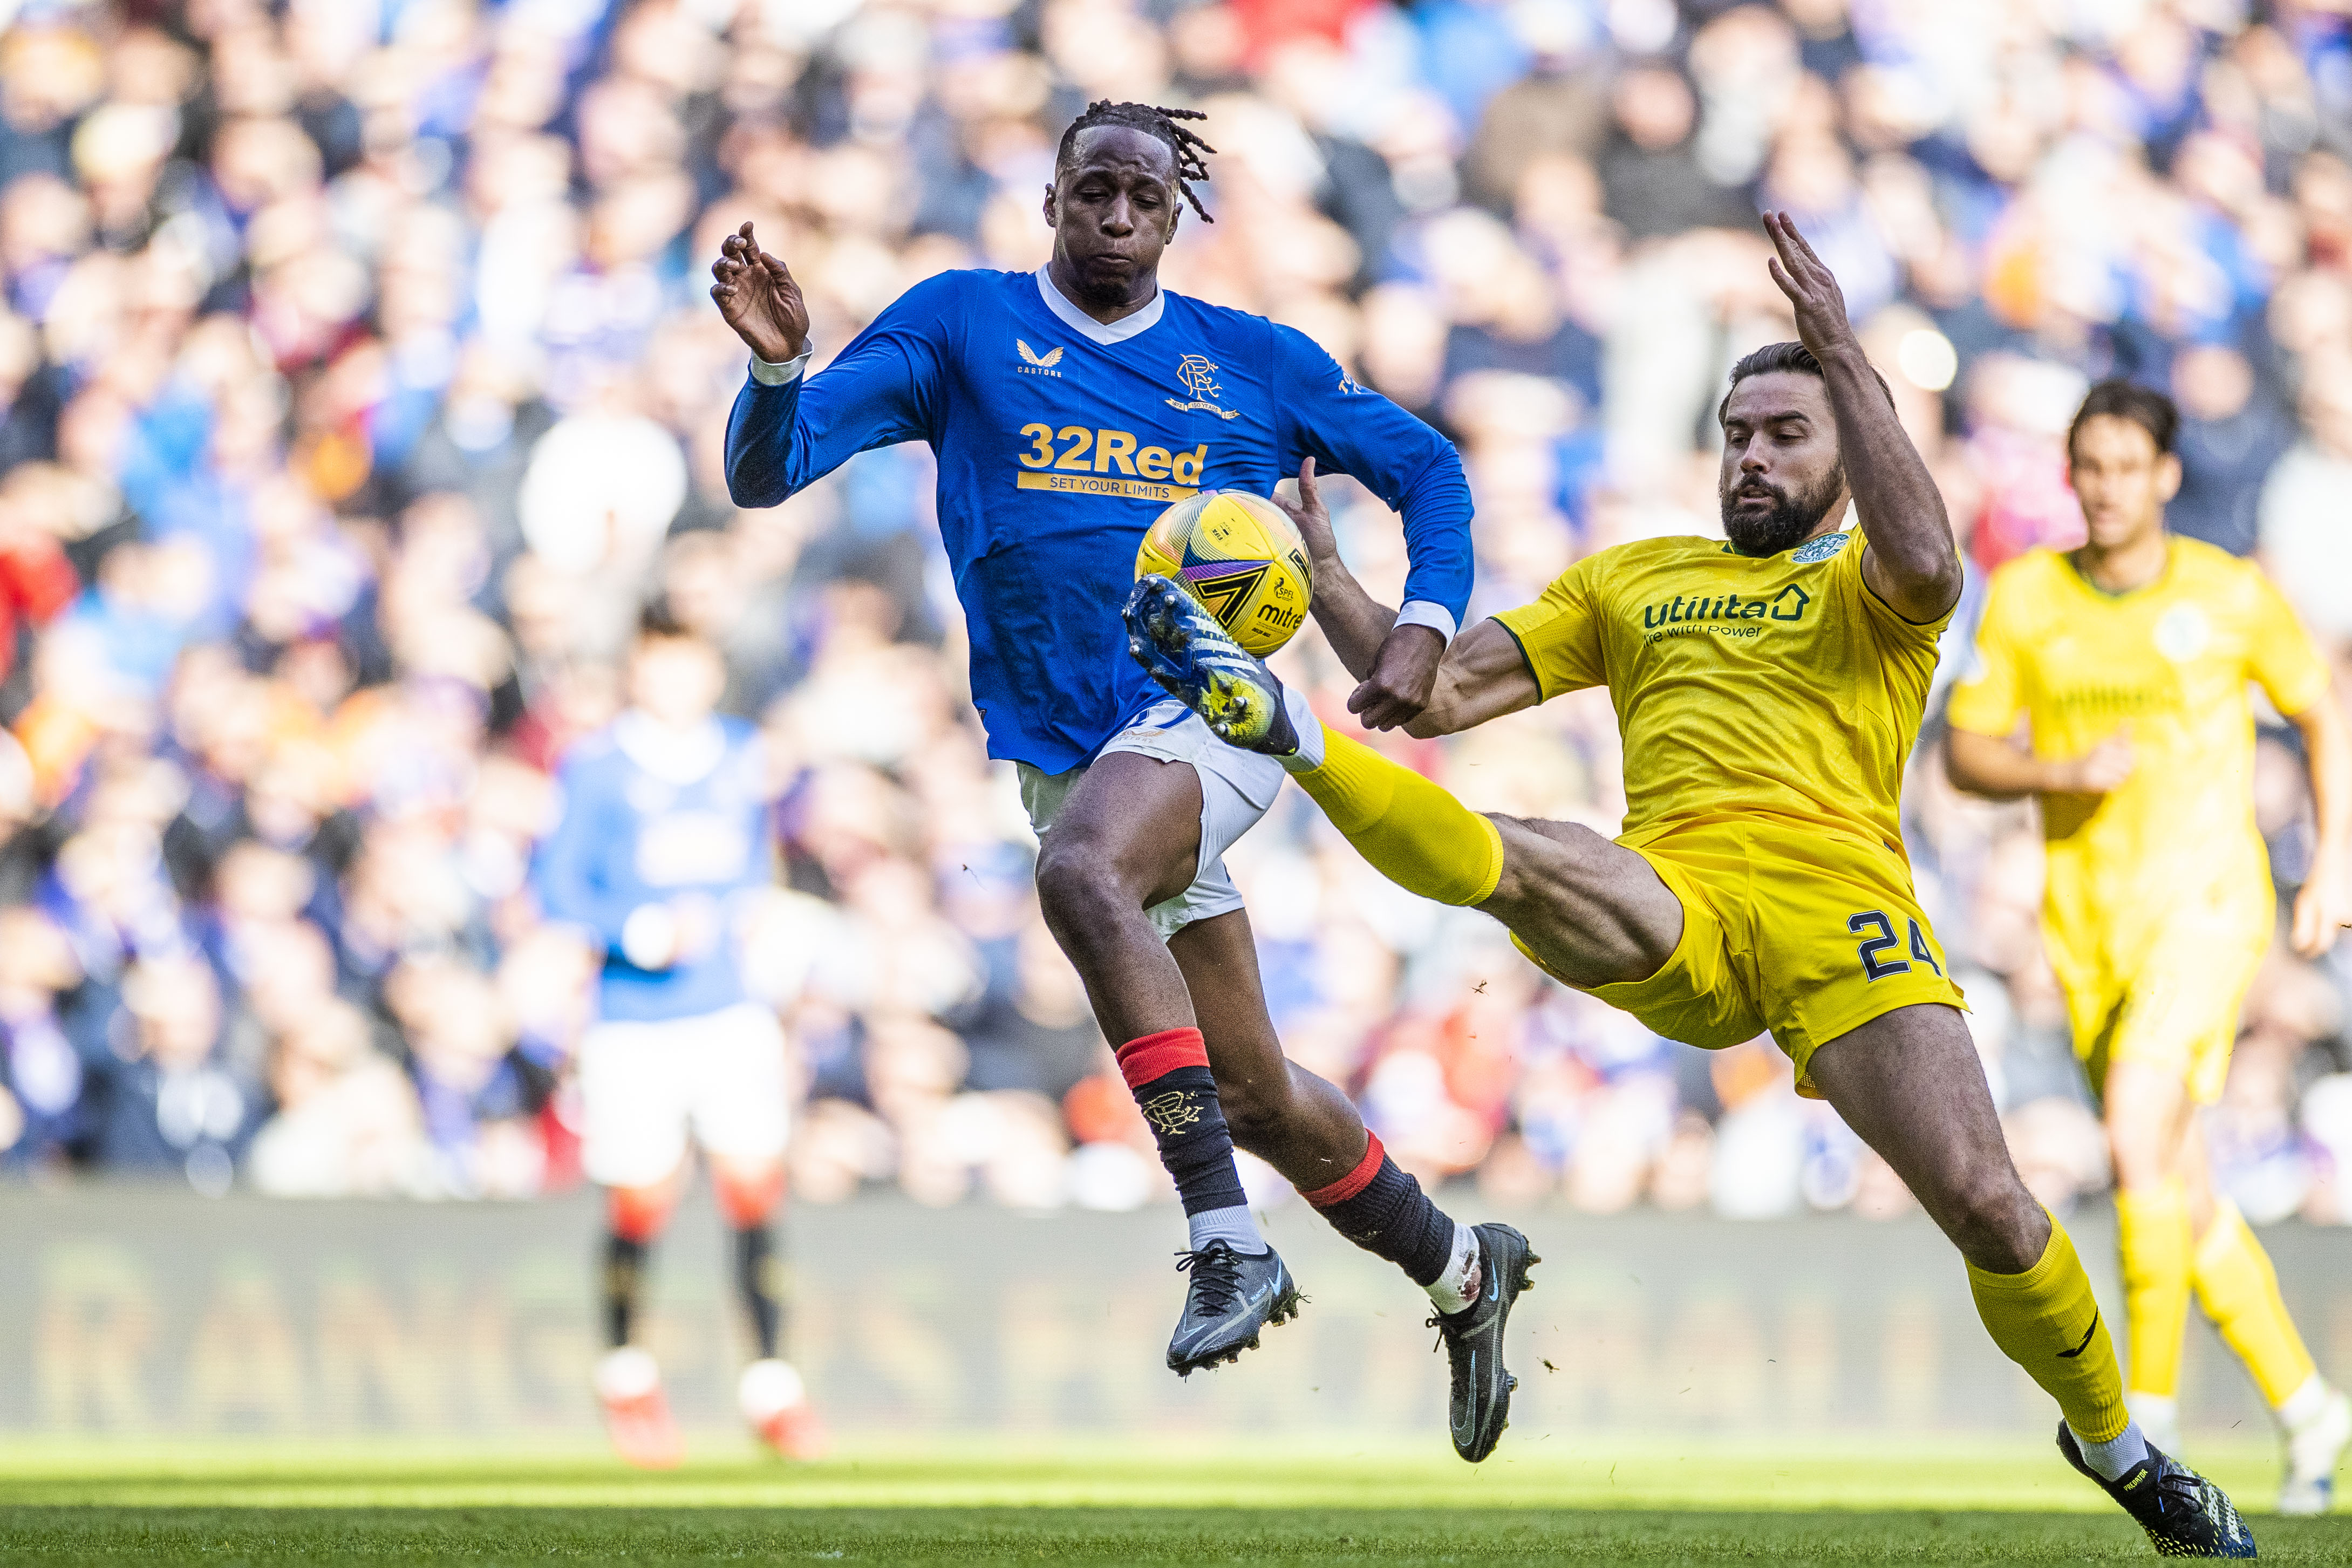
x=664, y=836
x=1067, y=408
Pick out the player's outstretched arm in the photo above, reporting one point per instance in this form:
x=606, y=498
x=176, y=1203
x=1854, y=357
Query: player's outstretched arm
x=1911, y=561
x=1353, y=622
x=1320, y=413
x=788, y=430
x=2324, y=904
x=1485, y=676
x=1467, y=684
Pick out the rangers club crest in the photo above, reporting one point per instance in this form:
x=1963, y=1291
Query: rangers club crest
x=1199, y=375
x=1171, y=1112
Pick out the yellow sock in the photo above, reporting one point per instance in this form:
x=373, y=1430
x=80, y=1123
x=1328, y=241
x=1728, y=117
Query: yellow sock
x=2152, y=1227
x=2046, y=1320
x=1413, y=832
x=2239, y=1290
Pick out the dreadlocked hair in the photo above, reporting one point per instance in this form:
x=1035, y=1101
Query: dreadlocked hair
x=1152, y=120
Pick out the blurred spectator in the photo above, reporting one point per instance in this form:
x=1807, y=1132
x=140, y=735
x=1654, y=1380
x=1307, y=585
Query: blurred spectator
x=2230, y=435
x=347, y=1123
x=171, y=1105
x=357, y=384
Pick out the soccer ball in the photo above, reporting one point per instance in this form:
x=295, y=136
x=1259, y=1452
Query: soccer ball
x=1240, y=557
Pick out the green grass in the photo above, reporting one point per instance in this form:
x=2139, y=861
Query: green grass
x=1212, y=1501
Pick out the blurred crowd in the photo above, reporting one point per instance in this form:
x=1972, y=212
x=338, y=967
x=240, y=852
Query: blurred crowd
x=357, y=384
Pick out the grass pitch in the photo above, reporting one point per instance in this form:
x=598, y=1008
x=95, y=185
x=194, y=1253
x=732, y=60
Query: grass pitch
x=1314, y=1501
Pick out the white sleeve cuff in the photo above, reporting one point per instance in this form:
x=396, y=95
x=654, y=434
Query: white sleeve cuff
x=784, y=374
x=1430, y=613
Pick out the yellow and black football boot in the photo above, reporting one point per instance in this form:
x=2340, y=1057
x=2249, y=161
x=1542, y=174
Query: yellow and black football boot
x=1195, y=660
x=2185, y=1515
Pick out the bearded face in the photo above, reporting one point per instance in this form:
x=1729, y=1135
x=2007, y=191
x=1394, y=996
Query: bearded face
x=1781, y=470
x=1762, y=517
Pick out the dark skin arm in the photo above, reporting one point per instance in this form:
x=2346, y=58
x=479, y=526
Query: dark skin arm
x=1396, y=666
x=1911, y=561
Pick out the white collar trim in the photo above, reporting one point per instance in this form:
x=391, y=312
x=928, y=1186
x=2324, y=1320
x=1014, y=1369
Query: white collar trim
x=1086, y=326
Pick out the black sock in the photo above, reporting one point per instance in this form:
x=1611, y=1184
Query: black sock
x=625, y=1269
x=756, y=1272
x=1384, y=1210
x=1169, y=1075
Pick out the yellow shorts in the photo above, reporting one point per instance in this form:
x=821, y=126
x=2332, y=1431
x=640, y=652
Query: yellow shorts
x=2176, y=1007
x=1798, y=932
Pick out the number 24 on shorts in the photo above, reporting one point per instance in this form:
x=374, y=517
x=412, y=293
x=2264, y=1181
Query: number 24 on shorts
x=1873, y=967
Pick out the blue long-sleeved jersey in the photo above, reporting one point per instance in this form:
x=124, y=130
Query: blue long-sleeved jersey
x=651, y=821
x=1059, y=439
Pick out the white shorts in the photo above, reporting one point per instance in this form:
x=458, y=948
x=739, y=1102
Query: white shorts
x=1237, y=787
x=643, y=1086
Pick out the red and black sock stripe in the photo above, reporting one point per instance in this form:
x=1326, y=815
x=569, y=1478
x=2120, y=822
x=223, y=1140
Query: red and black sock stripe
x=1169, y=1075
x=1384, y=1210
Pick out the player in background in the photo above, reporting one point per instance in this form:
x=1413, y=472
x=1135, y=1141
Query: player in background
x=1067, y=408
x=1768, y=689
x=2130, y=658
x=666, y=832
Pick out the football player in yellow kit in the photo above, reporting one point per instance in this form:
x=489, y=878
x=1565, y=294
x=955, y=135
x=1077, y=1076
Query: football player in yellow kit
x=2129, y=660
x=1769, y=688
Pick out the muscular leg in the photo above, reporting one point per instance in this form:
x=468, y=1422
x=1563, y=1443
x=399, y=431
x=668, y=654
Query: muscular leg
x=1128, y=838
x=1307, y=1130
x=1302, y=1126
x=1910, y=1085
x=1593, y=911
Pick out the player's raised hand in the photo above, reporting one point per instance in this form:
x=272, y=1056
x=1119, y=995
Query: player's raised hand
x=1308, y=515
x=1811, y=287
x=756, y=293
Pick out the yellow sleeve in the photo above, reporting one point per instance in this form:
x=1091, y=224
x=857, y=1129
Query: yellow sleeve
x=1989, y=696
x=1559, y=634
x=1893, y=628
x=2282, y=655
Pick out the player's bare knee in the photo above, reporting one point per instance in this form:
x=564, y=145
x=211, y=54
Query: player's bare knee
x=1086, y=884
x=1079, y=890
x=1993, y=1220
x=1256, y=1108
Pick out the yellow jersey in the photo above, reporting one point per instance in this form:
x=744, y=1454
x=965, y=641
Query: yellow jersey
x=1781, y=686
x=2170, y=664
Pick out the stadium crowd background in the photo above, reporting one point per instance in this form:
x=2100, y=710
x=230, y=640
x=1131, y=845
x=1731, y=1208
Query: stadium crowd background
x=359, y=380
